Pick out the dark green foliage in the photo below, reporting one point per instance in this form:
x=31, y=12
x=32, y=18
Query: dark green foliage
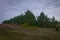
x=53, y=23
x=29, y=18
x=6, y=21
x=43, y=20
x=21, y=19
x=57, y=26
x=17, y=20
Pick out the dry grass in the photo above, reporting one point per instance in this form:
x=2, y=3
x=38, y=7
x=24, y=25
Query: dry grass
x=30, y=33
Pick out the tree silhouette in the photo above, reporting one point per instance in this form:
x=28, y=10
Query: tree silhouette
x=29, y=18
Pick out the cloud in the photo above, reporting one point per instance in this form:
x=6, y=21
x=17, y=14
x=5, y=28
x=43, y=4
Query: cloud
x=11, y=8
x=53, y=12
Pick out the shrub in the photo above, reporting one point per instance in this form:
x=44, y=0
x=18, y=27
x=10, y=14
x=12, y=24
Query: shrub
x=26, y=25
x=57, y=28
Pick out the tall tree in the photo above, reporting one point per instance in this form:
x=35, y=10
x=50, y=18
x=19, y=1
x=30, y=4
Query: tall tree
x=53, y=22
x=29, y=17
x=41, y=19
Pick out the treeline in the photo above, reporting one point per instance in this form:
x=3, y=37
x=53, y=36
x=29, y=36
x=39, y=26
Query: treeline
x=41, y=21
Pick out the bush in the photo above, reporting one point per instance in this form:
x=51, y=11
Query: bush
x=57, y=28
x=26, y=25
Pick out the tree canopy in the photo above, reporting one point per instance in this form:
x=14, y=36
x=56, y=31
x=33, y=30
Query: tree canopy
x=29, y=18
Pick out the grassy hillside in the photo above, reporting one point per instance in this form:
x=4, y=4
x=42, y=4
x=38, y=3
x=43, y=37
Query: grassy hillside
x=16, y=32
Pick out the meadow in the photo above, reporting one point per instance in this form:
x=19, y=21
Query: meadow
x=19, y=32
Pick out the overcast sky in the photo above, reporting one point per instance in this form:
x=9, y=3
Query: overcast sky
x=12, y=8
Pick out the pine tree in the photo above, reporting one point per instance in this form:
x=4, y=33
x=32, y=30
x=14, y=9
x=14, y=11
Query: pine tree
x=29, y=17
x=43, y=20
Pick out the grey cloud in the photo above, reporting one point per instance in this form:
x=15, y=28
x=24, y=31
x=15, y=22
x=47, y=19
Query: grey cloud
x=11, y=8
x=55, y=3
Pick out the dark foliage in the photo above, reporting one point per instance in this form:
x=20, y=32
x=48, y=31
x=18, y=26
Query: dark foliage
x=41, y=21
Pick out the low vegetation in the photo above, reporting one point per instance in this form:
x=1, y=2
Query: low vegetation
x=30, y=33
